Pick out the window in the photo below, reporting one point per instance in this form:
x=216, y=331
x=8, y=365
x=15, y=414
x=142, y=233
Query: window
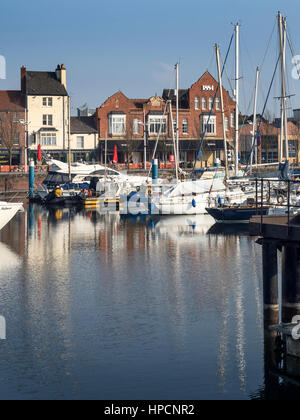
x=16, y=117
x=210, y=102
x=117, y=125
x=185, y=126
x=226, y=123
x=232, y=120
x=17, y=139
x=136, y=126
x=174, y=125
x=197, y=103
x=158, y=125
x=80, y=142
x=203, y=103
x=218, y=104
x=48, y=139
x=47, y=119
x=47, y=102
x=208, y=124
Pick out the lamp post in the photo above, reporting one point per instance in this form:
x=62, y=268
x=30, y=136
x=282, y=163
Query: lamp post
x=25, y=123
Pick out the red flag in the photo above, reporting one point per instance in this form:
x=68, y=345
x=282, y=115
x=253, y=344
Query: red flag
x=39, y=154
x=115, y=159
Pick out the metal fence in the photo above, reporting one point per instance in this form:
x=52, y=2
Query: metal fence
x=280, y=190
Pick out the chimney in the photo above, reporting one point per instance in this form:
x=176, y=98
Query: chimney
x=58, y=73
x=63, y=77
x=23, y=79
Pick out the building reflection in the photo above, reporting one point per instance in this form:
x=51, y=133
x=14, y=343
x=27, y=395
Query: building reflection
x=176, y=255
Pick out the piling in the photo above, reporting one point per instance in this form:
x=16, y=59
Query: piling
x=290, y=282
x=155, y=171
x=270, y=280
x=31, y=179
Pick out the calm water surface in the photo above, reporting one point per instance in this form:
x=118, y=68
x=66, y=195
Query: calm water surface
x=110, y=308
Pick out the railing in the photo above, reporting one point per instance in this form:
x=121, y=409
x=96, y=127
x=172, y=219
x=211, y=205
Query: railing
x=14, y=196
x=285, y=196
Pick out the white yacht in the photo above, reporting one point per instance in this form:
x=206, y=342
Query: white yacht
x=8, y=212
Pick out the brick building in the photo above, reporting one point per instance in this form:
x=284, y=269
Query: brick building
x=269, y=148
x=12, y=118
x=122, y=121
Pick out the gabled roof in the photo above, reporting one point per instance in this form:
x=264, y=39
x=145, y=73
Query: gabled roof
x=12, y=100
x=44, y=83
x=83, y=125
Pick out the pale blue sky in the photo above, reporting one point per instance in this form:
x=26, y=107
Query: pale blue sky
x=132, y=45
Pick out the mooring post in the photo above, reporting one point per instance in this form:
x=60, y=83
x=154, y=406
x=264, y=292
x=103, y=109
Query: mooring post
x=31, y=179
x=155, y=171
x=270, y=280
x=290, y=282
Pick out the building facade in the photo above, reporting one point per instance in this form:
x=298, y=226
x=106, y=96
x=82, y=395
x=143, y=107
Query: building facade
x=269, y=143
x=47, y=104
x=84, y=139
x=12, y=127
x=125, y=123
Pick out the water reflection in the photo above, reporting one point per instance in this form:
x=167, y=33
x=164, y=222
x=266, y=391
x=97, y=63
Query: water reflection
x=103, y=306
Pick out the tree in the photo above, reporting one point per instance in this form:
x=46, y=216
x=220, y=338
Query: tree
x=9, y=133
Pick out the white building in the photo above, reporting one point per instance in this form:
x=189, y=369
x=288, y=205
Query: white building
x=84, y=139
x=47, y=104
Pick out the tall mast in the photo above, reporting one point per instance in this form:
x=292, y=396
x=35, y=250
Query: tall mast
x=222, y=110
x=283, y=125
x=69, y=138
x=254, y=136
x=177, y=113
x=237, y=77
x=285, y=92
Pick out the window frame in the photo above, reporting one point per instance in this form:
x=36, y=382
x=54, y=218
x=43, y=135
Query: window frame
x=212, y=123
x=113, y=124
x=154, y=124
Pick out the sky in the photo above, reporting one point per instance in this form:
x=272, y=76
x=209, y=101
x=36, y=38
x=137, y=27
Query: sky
x=133, y=45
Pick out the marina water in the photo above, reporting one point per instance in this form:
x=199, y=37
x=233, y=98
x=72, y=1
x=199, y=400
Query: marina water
x=99, y=306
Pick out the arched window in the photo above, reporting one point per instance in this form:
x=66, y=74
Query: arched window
x=185, y=126
x=226, y=123
x=232, y=120
x=136, y=126
x=197, y=103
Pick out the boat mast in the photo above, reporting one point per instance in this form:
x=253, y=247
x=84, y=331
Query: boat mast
x=174, y=140
x=283, y=125
x=237, y=77
x=254, y=134
x=222, y=110
x=69, y=138
x=177, y=114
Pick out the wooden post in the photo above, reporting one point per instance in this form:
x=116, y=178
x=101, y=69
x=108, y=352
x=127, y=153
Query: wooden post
x=290, y=282
x=270, y=280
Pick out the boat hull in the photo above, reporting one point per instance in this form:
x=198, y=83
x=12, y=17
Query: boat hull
x=8, y=212
x=235, y=215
